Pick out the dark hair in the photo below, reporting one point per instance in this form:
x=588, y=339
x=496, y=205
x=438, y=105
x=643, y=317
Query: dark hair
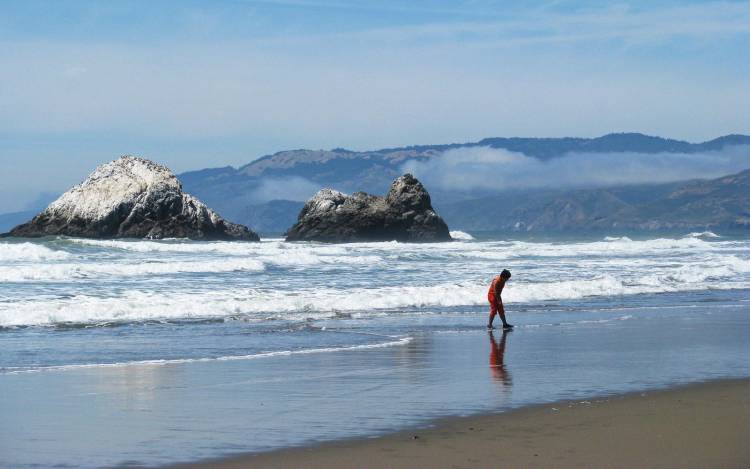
x=505, y=274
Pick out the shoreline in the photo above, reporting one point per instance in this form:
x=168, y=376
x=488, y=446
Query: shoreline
x=692, y=425
x=232, y=411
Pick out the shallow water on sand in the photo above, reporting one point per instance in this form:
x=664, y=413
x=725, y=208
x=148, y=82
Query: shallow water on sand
x=155, y=352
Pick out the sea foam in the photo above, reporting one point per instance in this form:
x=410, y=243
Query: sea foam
x=67, y=271
x=461, y=236
x=29, y=252
x=173, y=280
x=321, y=303
x=175, y=361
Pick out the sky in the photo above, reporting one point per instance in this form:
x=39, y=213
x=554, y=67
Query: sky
x=195, y=84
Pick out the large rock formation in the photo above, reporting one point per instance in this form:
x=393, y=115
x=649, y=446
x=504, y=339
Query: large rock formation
x=131, y=198
x=404, y=214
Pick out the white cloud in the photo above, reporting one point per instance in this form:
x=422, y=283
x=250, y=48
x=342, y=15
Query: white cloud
x=544, y=72
x=493, y=170
x=703, y=21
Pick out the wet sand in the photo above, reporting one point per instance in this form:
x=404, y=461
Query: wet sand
x=702, y=425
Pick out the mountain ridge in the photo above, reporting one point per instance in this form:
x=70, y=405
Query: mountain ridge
x=617, y=141
x=241, y=193
x=716, y=204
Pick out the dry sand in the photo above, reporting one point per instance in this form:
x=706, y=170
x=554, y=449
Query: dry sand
x=705, y=425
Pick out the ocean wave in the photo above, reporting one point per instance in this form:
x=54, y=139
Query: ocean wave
x=67, y=271
x=613, y=247
x=293, y=305
x=703, y=234
x=617, y=238
x=29, y=252
x=306, y=259
x=281, y=253
x=730, y=267
x=354, y=279
x=461, y=235
x=323, y=303
x=172, y=246
x=275, y=252
x=608, y=249
x=92, y=267
x=176, y=361
x=231, y=248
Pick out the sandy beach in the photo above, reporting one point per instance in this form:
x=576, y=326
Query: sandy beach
x=702, y=425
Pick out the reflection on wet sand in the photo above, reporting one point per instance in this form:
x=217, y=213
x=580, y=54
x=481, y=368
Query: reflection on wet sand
x=137, y=386
x=497, y=359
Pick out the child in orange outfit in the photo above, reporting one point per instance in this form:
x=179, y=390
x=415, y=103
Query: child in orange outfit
x=496, y=302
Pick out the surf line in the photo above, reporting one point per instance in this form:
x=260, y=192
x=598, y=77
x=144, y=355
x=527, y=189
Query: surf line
x=177, y=361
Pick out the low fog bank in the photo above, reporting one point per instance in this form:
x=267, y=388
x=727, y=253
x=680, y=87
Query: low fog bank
x=486, y=169
x=283, y=188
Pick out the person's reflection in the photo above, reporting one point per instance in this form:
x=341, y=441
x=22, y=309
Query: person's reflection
x=497, y=359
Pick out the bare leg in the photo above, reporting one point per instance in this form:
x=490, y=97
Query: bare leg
x=501, y=313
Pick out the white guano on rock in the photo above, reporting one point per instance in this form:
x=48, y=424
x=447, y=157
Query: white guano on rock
x=131, y=197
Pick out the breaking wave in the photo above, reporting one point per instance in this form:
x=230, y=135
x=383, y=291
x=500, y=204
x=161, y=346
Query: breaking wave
x=172, y=246
x=617, y=238
x=703, y=234
x=277, y=280
x=321, y=303
x=57, y=272
x=461, y=236
x=29, y=252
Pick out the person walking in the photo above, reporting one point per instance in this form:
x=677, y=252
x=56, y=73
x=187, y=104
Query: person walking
x=495, y=299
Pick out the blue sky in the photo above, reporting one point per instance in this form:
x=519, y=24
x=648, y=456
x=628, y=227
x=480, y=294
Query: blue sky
x=197, y=84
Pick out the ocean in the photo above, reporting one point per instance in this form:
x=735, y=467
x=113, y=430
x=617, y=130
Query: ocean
x=117, y=352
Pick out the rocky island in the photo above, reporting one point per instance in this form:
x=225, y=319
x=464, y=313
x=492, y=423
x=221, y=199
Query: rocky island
x=131, y=197
x=404, y=214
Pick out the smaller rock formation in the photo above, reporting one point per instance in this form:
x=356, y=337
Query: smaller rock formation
x=404, y=214
x=131, y=198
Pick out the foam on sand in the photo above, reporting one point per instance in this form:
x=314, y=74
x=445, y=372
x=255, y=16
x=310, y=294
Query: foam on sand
x=254, y=356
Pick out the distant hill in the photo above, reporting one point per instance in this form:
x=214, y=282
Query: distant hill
x=714, y=204
x=243, y=194
x=10, y=220
x=240, y=194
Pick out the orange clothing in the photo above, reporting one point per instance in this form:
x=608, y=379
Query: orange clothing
x=496, y=287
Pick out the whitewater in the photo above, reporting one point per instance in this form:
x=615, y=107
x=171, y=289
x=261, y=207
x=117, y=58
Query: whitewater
x=279, y=296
